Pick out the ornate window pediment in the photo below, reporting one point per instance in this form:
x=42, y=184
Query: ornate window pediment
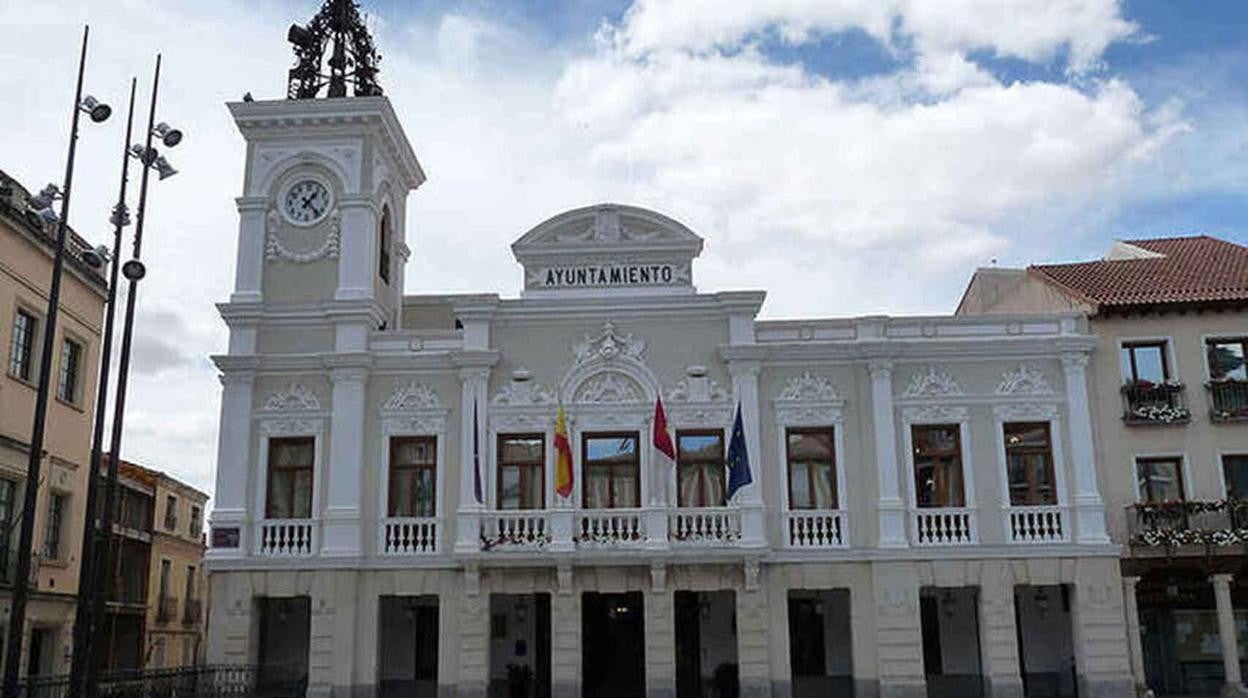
x=1024, y=380
x=609, y=370
x=609, y=388
x=809, y=400
x=932, y=382
x=293, y=398
x=934, y=414
x=608, y=346
x=410, y=397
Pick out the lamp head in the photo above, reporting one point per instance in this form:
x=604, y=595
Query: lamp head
x=45, y=198
x=163, y=168
x=167, y=134
x=96, y=258
x=133, y=270
x=97, y=110
x=146, y=155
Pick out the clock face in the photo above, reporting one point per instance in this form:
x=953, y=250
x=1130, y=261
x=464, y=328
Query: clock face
x=306, y=202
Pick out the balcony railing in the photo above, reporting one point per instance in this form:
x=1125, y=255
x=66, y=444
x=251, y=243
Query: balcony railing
x=1037, y=524
x=409, y=536
x=192, y=612
x=166, y=608
x=1181, y=523
x=704, y=526
x=945, y=526
x=527, y=528
x=815, y=528
x=1228, y=400
x=286, y=537
x=610, y=527
x=1154, y=403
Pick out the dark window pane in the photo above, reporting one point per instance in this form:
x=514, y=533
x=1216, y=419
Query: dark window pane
x=1235, y=470
x=1159, y=480
x=1226, y=360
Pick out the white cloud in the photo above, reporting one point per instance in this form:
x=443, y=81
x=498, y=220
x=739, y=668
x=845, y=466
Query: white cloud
x=873, y=196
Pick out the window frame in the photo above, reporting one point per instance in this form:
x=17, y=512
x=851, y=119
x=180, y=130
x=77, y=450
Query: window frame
x=393, y=469
x=1222, y=456
x=63, y=373
x=171, y=512
x=24, y=370
x=959, y=429
x=195, y=526
x=384, y=242
x=832, y=432
x=1168, y=370
x=1048, y=451
x=585, y=464
x=681, y=461
x=1180, y=474
x=1210, y=341
x=270, y=444
x=502, y=464
x=54, y=525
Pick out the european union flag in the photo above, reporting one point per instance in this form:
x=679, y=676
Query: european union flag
x=738, y=458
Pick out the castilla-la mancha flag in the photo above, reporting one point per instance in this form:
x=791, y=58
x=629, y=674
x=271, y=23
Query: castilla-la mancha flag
x=563, y=456
x=664, y=451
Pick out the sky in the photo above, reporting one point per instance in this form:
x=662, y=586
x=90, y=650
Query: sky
x=848, y=156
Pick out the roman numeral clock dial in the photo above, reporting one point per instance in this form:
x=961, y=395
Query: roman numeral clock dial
x=306, y=202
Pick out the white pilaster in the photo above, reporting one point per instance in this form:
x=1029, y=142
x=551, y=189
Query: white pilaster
x=249, y=266
x=1088, y=507
x=234, y=461
x=1227, y=633
x=745, y=388
x=473, y=383
x=891, y=509
x=357, y=258
x=341, y=527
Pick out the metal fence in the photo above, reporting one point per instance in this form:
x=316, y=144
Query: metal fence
x=207, y=681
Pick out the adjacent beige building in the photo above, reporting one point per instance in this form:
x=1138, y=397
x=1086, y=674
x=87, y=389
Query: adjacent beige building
x=175, y=613
x=1170, y=407
x=25, y=274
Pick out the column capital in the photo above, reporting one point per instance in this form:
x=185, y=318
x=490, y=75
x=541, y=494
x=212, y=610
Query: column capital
x=469, y=373
x=744, y=368
x=245, y=377
x=880, y=368
x=348, y=374
x=1074, y=360
x=1130, y=581
x=1222, y=578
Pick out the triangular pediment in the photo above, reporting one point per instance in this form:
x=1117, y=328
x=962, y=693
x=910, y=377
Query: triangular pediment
x=608, y=246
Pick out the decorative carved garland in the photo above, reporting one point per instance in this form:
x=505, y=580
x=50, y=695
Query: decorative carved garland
x=275, y=250
x=932, y=382
x=1025, y=380
x=413, y=396
x=293, y=397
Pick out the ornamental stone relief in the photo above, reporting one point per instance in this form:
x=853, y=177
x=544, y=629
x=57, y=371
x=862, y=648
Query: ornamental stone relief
x=1025, y=380
x=290, y=427
x=522, y=393
x=932, y=382
x=413, y=396
x=930, y=414
x=1019, y=412
x=608, y=346
x=277, y=250
x=697, y=389
x=293, y=397
x=609, y=388
x=809, y=388
x=415, y=425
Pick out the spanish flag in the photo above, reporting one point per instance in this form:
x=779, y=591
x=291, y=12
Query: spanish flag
x=563, y=457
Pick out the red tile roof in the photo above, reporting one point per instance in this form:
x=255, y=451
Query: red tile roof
x=1197, y=270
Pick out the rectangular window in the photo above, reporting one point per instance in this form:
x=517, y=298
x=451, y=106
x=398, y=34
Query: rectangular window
x=197, y=522
x=811, y=457
x=383, y=247
x=1235, y=472
x=8, y=518
x=521, y=471
x=1226, y=359
x=52, y=527
x=612, y=470
x=190, y=582
x=1145, y=362
x=166, y=569
x=700, y=468
x=70, y=372
x=1159, y=479
x=1029, y=464
x=290, y=478
x=413, y=471
x=22, y=345
x=938, y=465
x=171, y=513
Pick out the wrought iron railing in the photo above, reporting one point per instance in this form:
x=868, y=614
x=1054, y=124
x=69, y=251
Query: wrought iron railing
x=1178, y=523
x=1228, y=400
x=205, y=681
x=1154, y=403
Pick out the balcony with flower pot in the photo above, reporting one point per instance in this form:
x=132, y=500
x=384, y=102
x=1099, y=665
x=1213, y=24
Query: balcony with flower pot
x=1228, y=400
x=1147, y=403
x=1188, y=527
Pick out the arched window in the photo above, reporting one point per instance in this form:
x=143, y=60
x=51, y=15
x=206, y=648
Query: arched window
x=383, y=246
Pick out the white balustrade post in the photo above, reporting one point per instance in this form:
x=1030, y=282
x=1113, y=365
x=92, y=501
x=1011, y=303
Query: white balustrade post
x=473, y=383
x=745, y=389
x=892, y=511
x=1134, y=646
x=1227, y=633
x=341, y=523
x=1089, y=509
x=234, y=464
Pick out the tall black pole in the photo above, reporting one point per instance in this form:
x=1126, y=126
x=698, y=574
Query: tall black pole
x=105, y=558
x=84, y=619
x=21, y=585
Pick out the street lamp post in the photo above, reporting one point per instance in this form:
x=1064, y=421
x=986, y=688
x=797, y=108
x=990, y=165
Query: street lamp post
x=134, y=271
x=21, y=584
x=84, y=619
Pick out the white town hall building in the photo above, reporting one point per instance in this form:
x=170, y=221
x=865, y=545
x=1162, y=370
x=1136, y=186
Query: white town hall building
x=924, y=516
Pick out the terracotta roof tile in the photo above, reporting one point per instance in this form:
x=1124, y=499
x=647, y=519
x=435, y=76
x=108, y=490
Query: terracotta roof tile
x=1190, y=270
